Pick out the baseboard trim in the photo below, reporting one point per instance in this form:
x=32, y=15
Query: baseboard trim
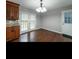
x=51, y=31
x=68, y=36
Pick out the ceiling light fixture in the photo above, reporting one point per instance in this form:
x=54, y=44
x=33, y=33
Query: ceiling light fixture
x=42, y=8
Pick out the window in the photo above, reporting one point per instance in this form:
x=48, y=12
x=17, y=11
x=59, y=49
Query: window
x=68, y=17
x=27, y=22
x=32, y=22
x=24, y=22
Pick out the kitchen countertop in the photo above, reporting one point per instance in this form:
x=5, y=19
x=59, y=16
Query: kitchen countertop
x=11, y=25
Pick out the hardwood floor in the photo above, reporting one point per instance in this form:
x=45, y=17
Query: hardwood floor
x=41, y=35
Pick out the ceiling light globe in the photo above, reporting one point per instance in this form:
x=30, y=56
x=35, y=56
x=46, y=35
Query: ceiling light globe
x=38, y=10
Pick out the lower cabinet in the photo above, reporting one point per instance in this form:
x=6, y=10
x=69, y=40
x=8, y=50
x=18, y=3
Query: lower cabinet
x=12, y=33
x=17, y=32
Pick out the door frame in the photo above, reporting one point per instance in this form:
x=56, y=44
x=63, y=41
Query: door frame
x=62, y=17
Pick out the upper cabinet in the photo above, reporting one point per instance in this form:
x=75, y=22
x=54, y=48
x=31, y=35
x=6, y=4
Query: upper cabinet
x=12, y=11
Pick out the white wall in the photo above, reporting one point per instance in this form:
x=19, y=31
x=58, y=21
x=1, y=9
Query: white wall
x=52, y=20
x=38, y=20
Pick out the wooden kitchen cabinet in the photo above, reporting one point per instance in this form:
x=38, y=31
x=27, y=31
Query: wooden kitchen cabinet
x=17, y=31
x=12, y=33
x=12, y=11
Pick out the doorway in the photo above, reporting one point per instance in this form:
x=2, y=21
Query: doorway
x=67, y=22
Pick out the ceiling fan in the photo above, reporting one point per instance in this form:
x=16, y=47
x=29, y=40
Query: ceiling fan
x=42, y=8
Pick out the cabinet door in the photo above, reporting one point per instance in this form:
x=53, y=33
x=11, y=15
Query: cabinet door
x=17, y=31
x=8, y=11
x=10, y=34
x=15, y=12
x=12, y=11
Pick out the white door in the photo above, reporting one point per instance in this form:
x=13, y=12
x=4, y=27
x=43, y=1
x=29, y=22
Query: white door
x=67, y=22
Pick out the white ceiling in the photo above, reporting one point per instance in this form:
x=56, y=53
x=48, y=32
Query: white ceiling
x=50, y=4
